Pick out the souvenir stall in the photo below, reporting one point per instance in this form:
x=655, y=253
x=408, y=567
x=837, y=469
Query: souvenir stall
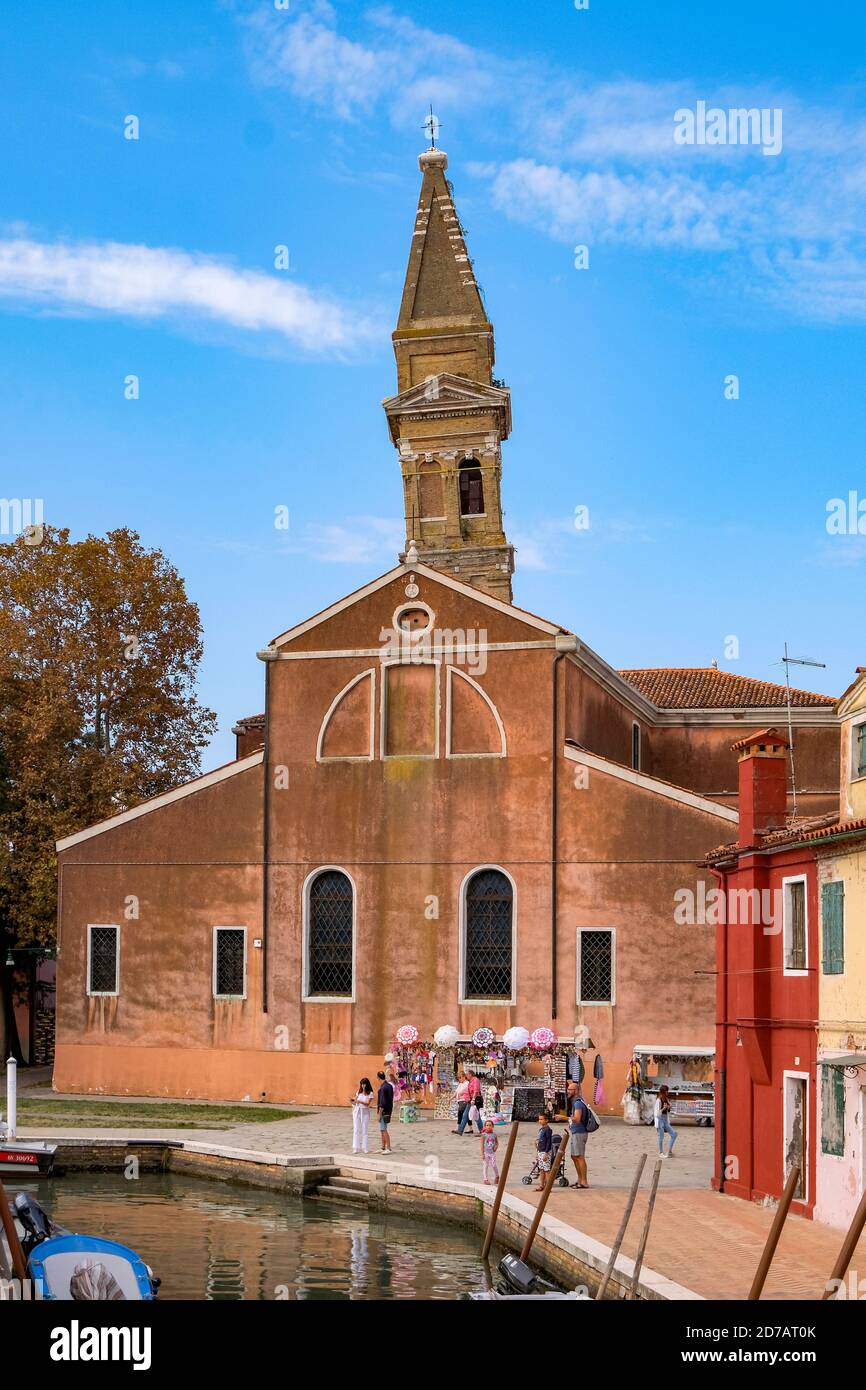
x=686, y=1071
x=513, y=1085
x=411, y=1062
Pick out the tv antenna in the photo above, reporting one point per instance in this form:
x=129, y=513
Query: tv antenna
x=789, y=661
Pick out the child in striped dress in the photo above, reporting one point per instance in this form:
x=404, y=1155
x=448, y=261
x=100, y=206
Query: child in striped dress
x=489, y=1145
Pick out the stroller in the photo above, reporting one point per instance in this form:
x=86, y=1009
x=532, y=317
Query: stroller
x=535, y=1172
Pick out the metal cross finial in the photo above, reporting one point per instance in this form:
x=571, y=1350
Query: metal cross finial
x=431, y=125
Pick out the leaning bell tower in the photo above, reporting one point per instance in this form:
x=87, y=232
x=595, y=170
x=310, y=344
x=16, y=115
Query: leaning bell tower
x=450, y=414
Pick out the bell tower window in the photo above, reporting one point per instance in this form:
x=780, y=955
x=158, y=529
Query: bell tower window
x=471, y=489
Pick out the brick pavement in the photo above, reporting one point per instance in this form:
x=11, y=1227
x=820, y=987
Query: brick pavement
x=709, y=1242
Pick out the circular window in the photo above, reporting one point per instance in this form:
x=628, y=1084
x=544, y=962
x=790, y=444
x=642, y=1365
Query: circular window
x=413, y=618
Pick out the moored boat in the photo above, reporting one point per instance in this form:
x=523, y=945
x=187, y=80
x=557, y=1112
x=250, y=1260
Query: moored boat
x=66, y=1266
x=27, y=1155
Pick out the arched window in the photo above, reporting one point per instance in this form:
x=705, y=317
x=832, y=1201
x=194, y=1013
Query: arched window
x=471, y=489
x=488, y=941
x=330, y=935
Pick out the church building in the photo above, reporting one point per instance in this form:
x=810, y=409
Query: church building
x=452, y=811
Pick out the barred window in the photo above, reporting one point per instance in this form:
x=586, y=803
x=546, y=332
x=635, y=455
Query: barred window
x=103, y=960
x=330, y=933
x=489, y=931
x=595, y=966
x=635, y=747
x=230, y=963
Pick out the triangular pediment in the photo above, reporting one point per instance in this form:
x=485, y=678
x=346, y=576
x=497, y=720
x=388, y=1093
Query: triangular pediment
x=431, y=578
x=448, y=389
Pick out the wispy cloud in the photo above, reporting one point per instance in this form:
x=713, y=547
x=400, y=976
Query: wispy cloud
x=400, y=63
x=159, y=283
x=596, y=162
x=559, y=543
x=355, y=540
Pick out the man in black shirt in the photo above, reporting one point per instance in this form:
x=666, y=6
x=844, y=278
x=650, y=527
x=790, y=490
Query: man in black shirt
x=384, y=1106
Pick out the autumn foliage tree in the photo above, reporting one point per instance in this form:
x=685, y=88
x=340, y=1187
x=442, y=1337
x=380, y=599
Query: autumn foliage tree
x=99, y=652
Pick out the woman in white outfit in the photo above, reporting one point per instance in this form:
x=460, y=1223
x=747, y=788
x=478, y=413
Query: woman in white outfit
x=361, y=1117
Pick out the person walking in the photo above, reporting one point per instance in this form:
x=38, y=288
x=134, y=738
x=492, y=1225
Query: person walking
x=473, y=1103
x=462, y=1104
x=384, y=1108
x=361, y=1103
x=662, y=1115
x=577, y=1132
x=489, y=1145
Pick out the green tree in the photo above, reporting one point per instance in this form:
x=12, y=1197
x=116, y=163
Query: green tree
x=99, y=653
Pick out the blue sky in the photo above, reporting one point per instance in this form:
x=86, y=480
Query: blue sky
x=261, y=388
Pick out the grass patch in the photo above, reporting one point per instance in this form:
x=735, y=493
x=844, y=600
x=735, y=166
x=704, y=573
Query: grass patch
x=119, y=1114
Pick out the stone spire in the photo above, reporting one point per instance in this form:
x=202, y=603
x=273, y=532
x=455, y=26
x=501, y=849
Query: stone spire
x=449, y=417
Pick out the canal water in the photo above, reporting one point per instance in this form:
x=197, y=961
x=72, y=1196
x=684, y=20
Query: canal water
x=209, y=1240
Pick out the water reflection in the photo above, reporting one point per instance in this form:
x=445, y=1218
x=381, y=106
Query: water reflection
x=215, y=1242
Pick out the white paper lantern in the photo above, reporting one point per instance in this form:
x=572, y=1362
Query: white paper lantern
x=515, y=1039
x=446, y=1036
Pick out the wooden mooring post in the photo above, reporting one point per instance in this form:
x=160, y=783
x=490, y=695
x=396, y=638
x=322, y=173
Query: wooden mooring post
x=632, y=1289
x=848, y=1246
x=500, y=1190
x=602, y=1288
x=773, y=1238
x=19, y=1265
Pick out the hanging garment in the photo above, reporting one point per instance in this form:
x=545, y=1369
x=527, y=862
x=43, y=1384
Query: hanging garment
x=598, y=1067
x=576, y=1069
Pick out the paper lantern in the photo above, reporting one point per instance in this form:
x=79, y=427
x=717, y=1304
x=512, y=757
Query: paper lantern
x=515, y=1039
x=446, y=1036
x=483, y=1037
x=543, y=1039
x=408, y=1035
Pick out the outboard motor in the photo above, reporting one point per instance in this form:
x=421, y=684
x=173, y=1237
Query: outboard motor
x=37, y=1225
x=520, y=1279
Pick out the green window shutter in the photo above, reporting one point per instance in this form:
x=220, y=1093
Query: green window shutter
x=833, y=1111
x=833, y=927
x=861, y=749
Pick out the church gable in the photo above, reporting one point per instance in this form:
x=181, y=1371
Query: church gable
x=372, y=620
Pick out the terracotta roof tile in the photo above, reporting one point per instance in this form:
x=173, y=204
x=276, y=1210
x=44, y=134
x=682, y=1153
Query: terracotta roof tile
x=704, y=687
x=797, y=830
x=252, y=721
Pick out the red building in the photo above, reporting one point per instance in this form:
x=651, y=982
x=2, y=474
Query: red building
x=767, y=987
